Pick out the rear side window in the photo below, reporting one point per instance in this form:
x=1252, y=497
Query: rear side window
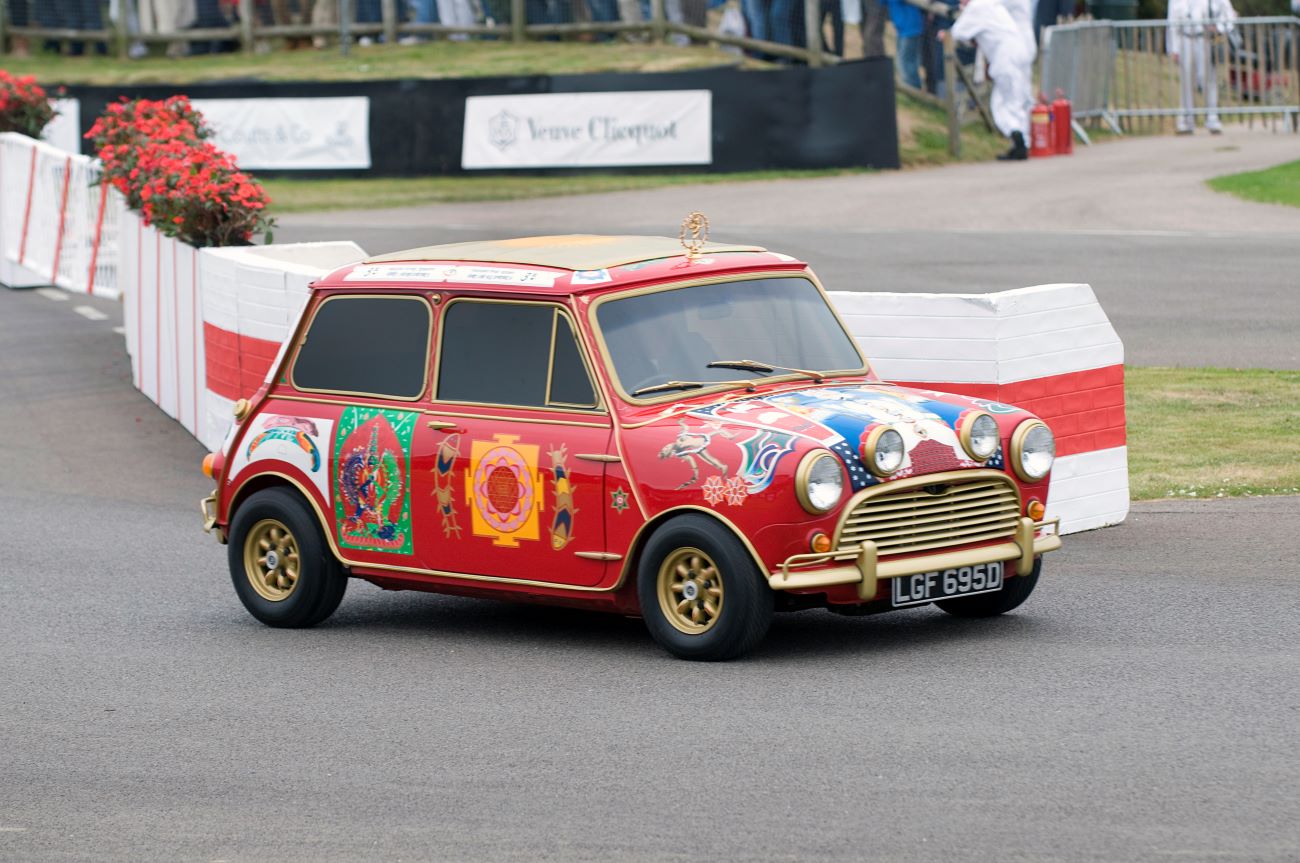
x=375, y=346
x=511, y=354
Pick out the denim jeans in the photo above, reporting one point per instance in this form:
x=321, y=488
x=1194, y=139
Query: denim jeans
x=426, y=11
x=908, y=60
x=603, y=11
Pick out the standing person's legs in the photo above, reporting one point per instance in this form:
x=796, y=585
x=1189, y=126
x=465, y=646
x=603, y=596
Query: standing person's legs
x=873, y=28
x=908, y=60
x=1208, y=77
x=1186, y=122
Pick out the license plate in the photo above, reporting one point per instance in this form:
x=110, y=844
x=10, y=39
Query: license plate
x=946, y=583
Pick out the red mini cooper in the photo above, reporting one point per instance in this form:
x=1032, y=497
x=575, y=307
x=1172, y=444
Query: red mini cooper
x=615, y=423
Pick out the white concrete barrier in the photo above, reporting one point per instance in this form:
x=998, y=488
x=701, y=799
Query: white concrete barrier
x=1049, y=349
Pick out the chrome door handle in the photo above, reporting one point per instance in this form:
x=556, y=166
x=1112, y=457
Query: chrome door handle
x=440, y=425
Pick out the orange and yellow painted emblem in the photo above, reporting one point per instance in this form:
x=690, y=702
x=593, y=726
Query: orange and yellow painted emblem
x=505, y=487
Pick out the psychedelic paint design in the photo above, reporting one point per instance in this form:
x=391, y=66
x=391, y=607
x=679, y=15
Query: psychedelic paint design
x=505, y=489
x=618, y=500
x=291, y=439
x=443, y=486
x=562, y=488
x=372, y=503
x=760, y=452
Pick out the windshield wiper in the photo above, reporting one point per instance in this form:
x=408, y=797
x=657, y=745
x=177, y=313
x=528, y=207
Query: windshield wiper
x=668, y=385
x=755, y=365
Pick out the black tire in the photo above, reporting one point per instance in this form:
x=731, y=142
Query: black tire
x=724, y=578
x=1015, y=590
x=318, y=581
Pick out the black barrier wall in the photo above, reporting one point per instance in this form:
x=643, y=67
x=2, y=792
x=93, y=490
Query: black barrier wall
x=795, y=117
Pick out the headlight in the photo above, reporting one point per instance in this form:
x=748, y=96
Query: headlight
x=883, y=451
x=1033, y=449
x=979, y=436
x=819, y=482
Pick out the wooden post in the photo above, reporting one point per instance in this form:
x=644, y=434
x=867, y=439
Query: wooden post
x=121, y=37
x=4, y=25
x=950, y=76
x=812, y=19
x=246, y=25
x=388, y=14
x=658, y=21
x=518, y=21
x=345, y=25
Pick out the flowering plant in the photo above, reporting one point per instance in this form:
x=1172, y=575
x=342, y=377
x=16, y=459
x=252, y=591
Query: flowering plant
x=24, y=107
x=159, y=156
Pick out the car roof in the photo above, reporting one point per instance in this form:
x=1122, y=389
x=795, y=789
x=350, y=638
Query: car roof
x=564, y=252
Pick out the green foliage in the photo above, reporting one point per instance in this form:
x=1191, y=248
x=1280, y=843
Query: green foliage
x=1277, y=185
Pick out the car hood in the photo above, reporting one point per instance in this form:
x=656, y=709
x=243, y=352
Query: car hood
x=839, y=418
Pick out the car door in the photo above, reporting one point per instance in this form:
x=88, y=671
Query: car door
x=520, y=440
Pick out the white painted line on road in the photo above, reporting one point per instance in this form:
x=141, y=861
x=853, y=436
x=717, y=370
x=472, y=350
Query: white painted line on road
x=121, y=331
x=91, y=313
x=13, y=829
x=53, y=294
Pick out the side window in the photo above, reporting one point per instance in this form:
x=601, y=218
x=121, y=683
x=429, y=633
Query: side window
x=511, y=354
x=366, y=346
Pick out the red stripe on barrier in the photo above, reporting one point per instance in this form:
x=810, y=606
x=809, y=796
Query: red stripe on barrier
x=63, y=221
x=27, y=214
x=236, y=365
x=99, y=234
x=1085, y=409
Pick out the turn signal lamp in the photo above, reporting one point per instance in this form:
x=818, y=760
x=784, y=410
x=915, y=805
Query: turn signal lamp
x=209, y=465
x=1036, y=510
x=821, y=543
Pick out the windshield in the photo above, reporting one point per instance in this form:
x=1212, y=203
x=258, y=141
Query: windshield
x=672, y=336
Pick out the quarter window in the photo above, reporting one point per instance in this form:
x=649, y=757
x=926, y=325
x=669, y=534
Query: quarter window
x=511, y=354
x=375, y=346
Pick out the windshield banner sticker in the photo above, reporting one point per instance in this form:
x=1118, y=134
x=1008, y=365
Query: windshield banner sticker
x=448, y=273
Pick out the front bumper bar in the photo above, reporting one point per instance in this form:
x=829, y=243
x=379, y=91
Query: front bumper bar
x=867, y=569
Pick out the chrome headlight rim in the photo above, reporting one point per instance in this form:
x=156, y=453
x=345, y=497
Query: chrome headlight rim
x=804, y=474
x=869, y=450
x=968, y=428
x=1018, y=450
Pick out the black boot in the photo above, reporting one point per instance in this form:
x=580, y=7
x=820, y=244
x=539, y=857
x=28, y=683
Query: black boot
x=1018, y=151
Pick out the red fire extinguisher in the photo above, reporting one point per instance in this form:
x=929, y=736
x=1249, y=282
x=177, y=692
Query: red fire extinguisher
x=1064, y=133
x=1040, y=129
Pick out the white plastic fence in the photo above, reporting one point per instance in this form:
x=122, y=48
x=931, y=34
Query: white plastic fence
x=58, y=226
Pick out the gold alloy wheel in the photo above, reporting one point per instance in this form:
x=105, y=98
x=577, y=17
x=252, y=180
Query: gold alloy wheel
x=690, y=591
x=271, y=560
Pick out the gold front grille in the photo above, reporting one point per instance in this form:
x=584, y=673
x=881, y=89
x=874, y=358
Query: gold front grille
x=933, y=512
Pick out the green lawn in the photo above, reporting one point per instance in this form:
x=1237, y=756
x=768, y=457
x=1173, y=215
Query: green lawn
x=1277, y=185
x=1207, y=433
x=470, y=59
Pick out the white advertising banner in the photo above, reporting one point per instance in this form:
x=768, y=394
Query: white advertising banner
x=292, y=134
x=582, y=130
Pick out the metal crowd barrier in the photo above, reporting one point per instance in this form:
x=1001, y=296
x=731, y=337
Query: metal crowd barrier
x=1124, y=73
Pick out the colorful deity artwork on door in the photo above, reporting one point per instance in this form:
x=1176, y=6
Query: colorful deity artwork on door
x=372, y=505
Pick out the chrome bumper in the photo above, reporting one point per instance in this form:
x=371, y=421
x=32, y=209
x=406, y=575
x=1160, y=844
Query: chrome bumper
x=208, y=506
x=866, y=570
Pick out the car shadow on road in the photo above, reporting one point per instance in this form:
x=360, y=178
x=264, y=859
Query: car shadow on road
x=413, y=616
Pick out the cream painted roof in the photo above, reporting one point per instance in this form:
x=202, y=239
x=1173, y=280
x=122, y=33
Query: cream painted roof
x=567, y=252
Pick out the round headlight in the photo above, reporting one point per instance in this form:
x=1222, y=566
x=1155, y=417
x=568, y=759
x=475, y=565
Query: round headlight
x=980, y=436
x=883, y=451
x=819, y=482
x=1033, y=449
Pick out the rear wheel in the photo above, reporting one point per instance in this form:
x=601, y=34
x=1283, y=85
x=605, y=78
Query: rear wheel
x=1014, y=591
x=701, y=595
x=282, y=569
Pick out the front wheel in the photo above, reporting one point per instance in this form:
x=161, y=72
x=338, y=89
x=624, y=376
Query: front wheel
x=701, y=595
x=1014, y=591
x=283, y=572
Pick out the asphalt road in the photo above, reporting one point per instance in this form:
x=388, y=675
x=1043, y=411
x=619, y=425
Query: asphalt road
x=1189, y=277
x=1141, y=706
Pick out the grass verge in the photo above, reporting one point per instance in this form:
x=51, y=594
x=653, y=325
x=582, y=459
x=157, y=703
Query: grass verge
x=1207, y=433
x=1277, y=185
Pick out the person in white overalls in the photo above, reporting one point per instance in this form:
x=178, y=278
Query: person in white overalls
x=1193, y=24
x=1010, y=54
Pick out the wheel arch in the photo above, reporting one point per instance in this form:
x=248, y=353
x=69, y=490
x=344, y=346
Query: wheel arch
x=632, y=561
x=273, y=479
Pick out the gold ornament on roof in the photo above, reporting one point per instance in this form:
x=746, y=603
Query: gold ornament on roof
x=694, y=234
